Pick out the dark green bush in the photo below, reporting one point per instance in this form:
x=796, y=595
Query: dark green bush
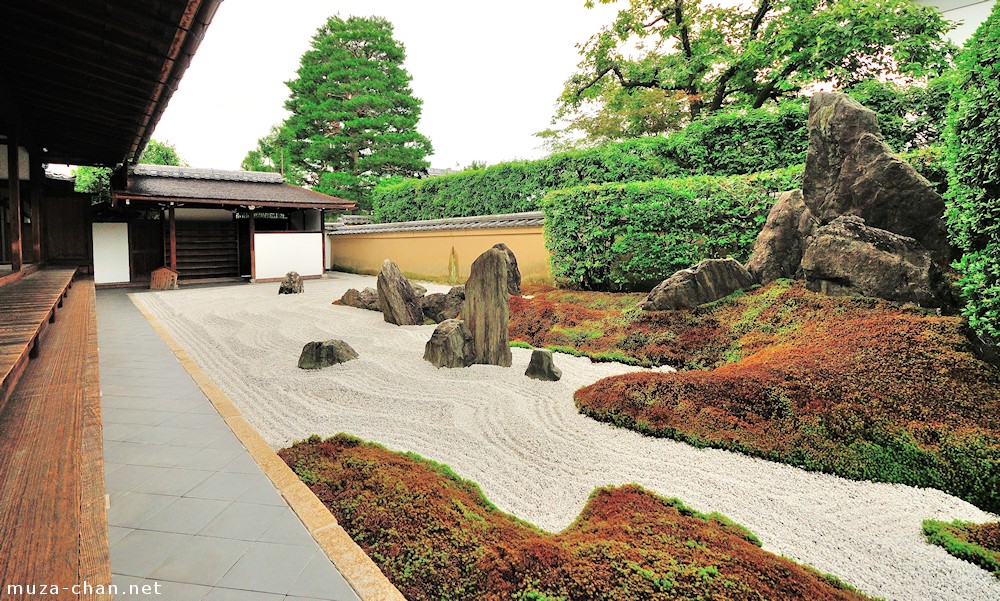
x=973, y=144
x=630, y=236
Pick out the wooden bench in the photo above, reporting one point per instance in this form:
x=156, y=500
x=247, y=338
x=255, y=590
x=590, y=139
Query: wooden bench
x=27, y=307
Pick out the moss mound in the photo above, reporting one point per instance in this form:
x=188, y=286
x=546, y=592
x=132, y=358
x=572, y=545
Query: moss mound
x=975, y=543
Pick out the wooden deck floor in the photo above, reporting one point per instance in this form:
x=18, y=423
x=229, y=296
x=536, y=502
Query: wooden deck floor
x=27, y=307
x=52, y=519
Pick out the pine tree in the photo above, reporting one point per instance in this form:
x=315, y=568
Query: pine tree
x=354, y=116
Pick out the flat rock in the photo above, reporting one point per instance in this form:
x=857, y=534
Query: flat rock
x=851, y=171
x=365, y=299
x=487, y=308
x=450, y=345
x=291, y=284
x=707, y=281
x=847, y=257
x=542, y=367
x=513, y=273
x=396, y=298
x=777, y=252
x=440, y=306
x=317, y=355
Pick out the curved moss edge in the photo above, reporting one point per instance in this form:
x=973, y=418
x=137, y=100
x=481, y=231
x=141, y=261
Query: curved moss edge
x=946, y=536
x=449, y=474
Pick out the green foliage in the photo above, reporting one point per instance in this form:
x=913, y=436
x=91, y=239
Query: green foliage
x=707, y=57
x=95, y=181
x=353, y=116
x=630, y=236
x=973, y=144
x=161, y=153
x=910, y=116
x=954, y=538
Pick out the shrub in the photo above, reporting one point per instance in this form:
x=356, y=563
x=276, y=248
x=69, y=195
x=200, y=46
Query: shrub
x=631, y=236
x=862, y=388
x=435, y=536
x=975, y=543
x=973, y=143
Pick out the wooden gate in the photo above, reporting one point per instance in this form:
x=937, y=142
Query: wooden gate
x=205, y=249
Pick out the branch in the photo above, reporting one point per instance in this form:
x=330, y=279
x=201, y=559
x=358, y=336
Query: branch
x=762, y=10
x=767, y=92
x=628, y=84
x=678, y=20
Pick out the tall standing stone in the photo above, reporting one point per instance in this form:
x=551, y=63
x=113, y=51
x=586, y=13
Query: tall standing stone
x=487, y=308
x=513, y=273
x=397, y=299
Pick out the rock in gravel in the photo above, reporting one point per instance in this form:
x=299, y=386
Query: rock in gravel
x=707, y=281
x=542, y=367
x=440, y=306
x=397, y=299
x=450, y=345
x=291, y=284
x=847, y=257
x=418, y=289
x=513, y=273
x=851, y=171
x=487, y=308
x=777, y=252
x=317, y=355
x=366, y=299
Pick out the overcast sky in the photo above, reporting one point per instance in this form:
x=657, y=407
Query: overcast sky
x=488, y=73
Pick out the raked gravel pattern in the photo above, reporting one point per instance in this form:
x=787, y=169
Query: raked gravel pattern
x=526, y=445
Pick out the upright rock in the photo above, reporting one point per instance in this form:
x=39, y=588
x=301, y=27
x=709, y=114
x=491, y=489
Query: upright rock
x=440, y=307
x=397, y=300
x=707, y=281
x=846, y=257
x=851, y=171
x=777, y=252
x=541, y=366
x=450, y=345
x=316, y=355
x=291, y=284
x=487, y=308
x=513, y=273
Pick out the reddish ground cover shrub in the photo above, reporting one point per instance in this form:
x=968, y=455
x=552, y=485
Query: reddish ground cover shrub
x=857, y=387
x=975, y=543
x=436, y=537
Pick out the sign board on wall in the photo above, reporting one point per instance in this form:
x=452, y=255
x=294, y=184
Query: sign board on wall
x=111, y=262
x=277, y=253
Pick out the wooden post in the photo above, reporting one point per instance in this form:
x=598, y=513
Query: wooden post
x=37, y=179
x=322, y=233
x=253, y=256
x=173, y=240
x=14, y=189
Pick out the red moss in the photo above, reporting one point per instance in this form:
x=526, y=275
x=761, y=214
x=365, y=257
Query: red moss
x=865, y=389
x=436, y=537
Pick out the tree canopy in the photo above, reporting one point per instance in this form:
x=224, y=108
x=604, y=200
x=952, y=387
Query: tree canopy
x=161, y=153
x=353, y=115
x=97, y=180
x=691, y=57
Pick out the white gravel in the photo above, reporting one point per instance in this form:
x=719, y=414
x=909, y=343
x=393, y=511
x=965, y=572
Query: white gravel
x=529, y=449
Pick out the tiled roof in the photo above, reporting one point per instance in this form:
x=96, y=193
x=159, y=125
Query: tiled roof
x=222, y=187
x=485, y=222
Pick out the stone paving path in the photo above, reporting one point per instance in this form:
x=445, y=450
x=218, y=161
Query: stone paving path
x=190, y=509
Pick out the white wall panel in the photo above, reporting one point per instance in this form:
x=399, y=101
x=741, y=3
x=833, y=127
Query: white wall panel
x=278, y=253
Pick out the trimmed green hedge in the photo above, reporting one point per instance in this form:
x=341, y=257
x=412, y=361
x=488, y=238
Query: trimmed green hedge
x=631, y=236
x=723, y=144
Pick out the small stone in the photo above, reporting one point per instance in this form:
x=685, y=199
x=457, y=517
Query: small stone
x=706, y=282
x=440, y=306
x=316, y=355
x=542, y=367
x=291, y=284
x=420, y=290
x=450, y=345
x=366, y=299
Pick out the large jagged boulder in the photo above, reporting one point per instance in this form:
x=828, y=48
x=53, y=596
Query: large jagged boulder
x=847, y=257
x=317, y=355
x=396, y=298
x=851, y=171
x=513, y=273
x=487, y=308
x=450, y=345
x=291, y=284
x=542, y=367
x=365, y=299
x=707, y=281
x=440, y=306
x=777, y=252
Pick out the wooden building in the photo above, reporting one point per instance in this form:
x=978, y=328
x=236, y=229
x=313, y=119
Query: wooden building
x=209, y=224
